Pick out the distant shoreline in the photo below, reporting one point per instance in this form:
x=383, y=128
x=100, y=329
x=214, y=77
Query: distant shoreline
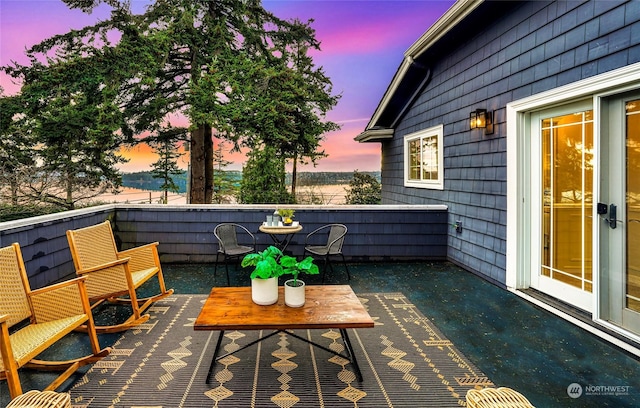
x=329, y=194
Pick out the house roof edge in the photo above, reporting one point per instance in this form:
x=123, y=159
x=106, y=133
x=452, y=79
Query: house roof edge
x=456, y=13
x=374, y=135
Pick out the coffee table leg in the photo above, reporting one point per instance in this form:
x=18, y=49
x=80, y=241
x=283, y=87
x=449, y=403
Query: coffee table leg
x=215, y=356
x=347, y=343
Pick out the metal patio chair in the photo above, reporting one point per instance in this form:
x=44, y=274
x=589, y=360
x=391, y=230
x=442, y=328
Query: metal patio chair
x=111, y=273
x=51, y=312
x=332, y=246
x=228, y=245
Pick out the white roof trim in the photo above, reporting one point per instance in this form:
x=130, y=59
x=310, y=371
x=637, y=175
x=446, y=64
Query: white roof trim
x=458, y=11
x=374, y=135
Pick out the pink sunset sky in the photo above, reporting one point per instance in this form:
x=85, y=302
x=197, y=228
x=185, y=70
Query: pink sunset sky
x=362, y=45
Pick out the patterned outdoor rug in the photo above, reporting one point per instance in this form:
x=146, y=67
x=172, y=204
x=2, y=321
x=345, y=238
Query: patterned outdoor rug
x=404, y=359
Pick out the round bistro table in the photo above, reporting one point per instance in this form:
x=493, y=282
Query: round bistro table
x=281, y=235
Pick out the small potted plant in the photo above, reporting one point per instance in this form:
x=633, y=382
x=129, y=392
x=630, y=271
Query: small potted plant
x=264, y=278
x=294, y=289
x=287, y=215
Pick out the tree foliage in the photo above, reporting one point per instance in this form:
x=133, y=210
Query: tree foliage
x=233, y=68
x=15, y=148
x=165, y=144
x=67, y=126
x=363, y=189
x=263, y=179
x=229, y=67
x=225, y=185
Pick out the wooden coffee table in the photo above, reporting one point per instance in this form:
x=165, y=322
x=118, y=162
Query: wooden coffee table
x=326, y=307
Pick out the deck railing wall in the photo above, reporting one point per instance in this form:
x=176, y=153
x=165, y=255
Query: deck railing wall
x=375, y=233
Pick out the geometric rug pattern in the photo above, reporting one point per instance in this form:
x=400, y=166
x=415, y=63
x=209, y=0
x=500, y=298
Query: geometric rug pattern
x=405, y=362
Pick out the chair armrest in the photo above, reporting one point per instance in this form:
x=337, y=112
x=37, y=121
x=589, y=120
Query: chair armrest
x=103, y=266
x=312, y=233
x=146, y=247
x=142, y=257
x=109, y=279
x=64, y=299
x=6, y=353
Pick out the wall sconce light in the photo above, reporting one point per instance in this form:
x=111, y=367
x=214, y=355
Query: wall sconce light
x=481, y=119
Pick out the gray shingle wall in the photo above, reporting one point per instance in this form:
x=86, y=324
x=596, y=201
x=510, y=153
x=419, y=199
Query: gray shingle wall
x=43, y=242
x=185, y=233
x=382, y=233
x=535, y=47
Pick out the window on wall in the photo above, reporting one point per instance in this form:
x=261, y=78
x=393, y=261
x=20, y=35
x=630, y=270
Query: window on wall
x=423, y=159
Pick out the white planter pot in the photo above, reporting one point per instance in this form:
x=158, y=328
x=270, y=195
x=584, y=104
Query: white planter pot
x=294, y=295
x=264, y=291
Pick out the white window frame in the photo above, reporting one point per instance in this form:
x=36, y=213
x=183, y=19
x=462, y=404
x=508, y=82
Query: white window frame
x=436, y=184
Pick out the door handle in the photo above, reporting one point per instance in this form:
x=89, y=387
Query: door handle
x=612, y=219
x=613, y=214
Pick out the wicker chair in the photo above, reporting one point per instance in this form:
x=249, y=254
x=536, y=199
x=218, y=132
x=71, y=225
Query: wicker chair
x=52, y=312
x=44, y=399
x=228, y=245
x=332, y=246
x=111, y=273
x=502, y=397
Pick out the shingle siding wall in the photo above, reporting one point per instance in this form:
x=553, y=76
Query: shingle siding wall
x=185, y=233
x=537, y=46
x=43, y=241
x=374, y=233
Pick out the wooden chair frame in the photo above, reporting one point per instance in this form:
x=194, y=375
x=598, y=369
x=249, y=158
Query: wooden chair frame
x=52, y=312
x=111, y=273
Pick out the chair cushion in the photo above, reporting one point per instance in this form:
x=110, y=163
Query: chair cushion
x=140, y=277
x=31, y=340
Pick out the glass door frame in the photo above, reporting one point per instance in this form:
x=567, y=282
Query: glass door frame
x=560, y=290
x=519, y=226
x=614, y=241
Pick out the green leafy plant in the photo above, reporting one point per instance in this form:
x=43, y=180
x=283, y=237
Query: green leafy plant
x=291, y=266
x=286, y=212
x=265, y=263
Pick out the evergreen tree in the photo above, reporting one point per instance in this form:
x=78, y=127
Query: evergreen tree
x=263, y=178
x=279, y=102
x=73, y=122
x=188, y=56
x=15, y=148
x=224, y=187
x=165, y=145
x=363, y=189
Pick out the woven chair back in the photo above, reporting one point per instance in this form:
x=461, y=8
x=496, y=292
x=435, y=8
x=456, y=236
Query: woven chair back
x=93, y=246
x=13, y=295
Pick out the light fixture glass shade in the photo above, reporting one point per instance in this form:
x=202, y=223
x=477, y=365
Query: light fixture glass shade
x=478, y=119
